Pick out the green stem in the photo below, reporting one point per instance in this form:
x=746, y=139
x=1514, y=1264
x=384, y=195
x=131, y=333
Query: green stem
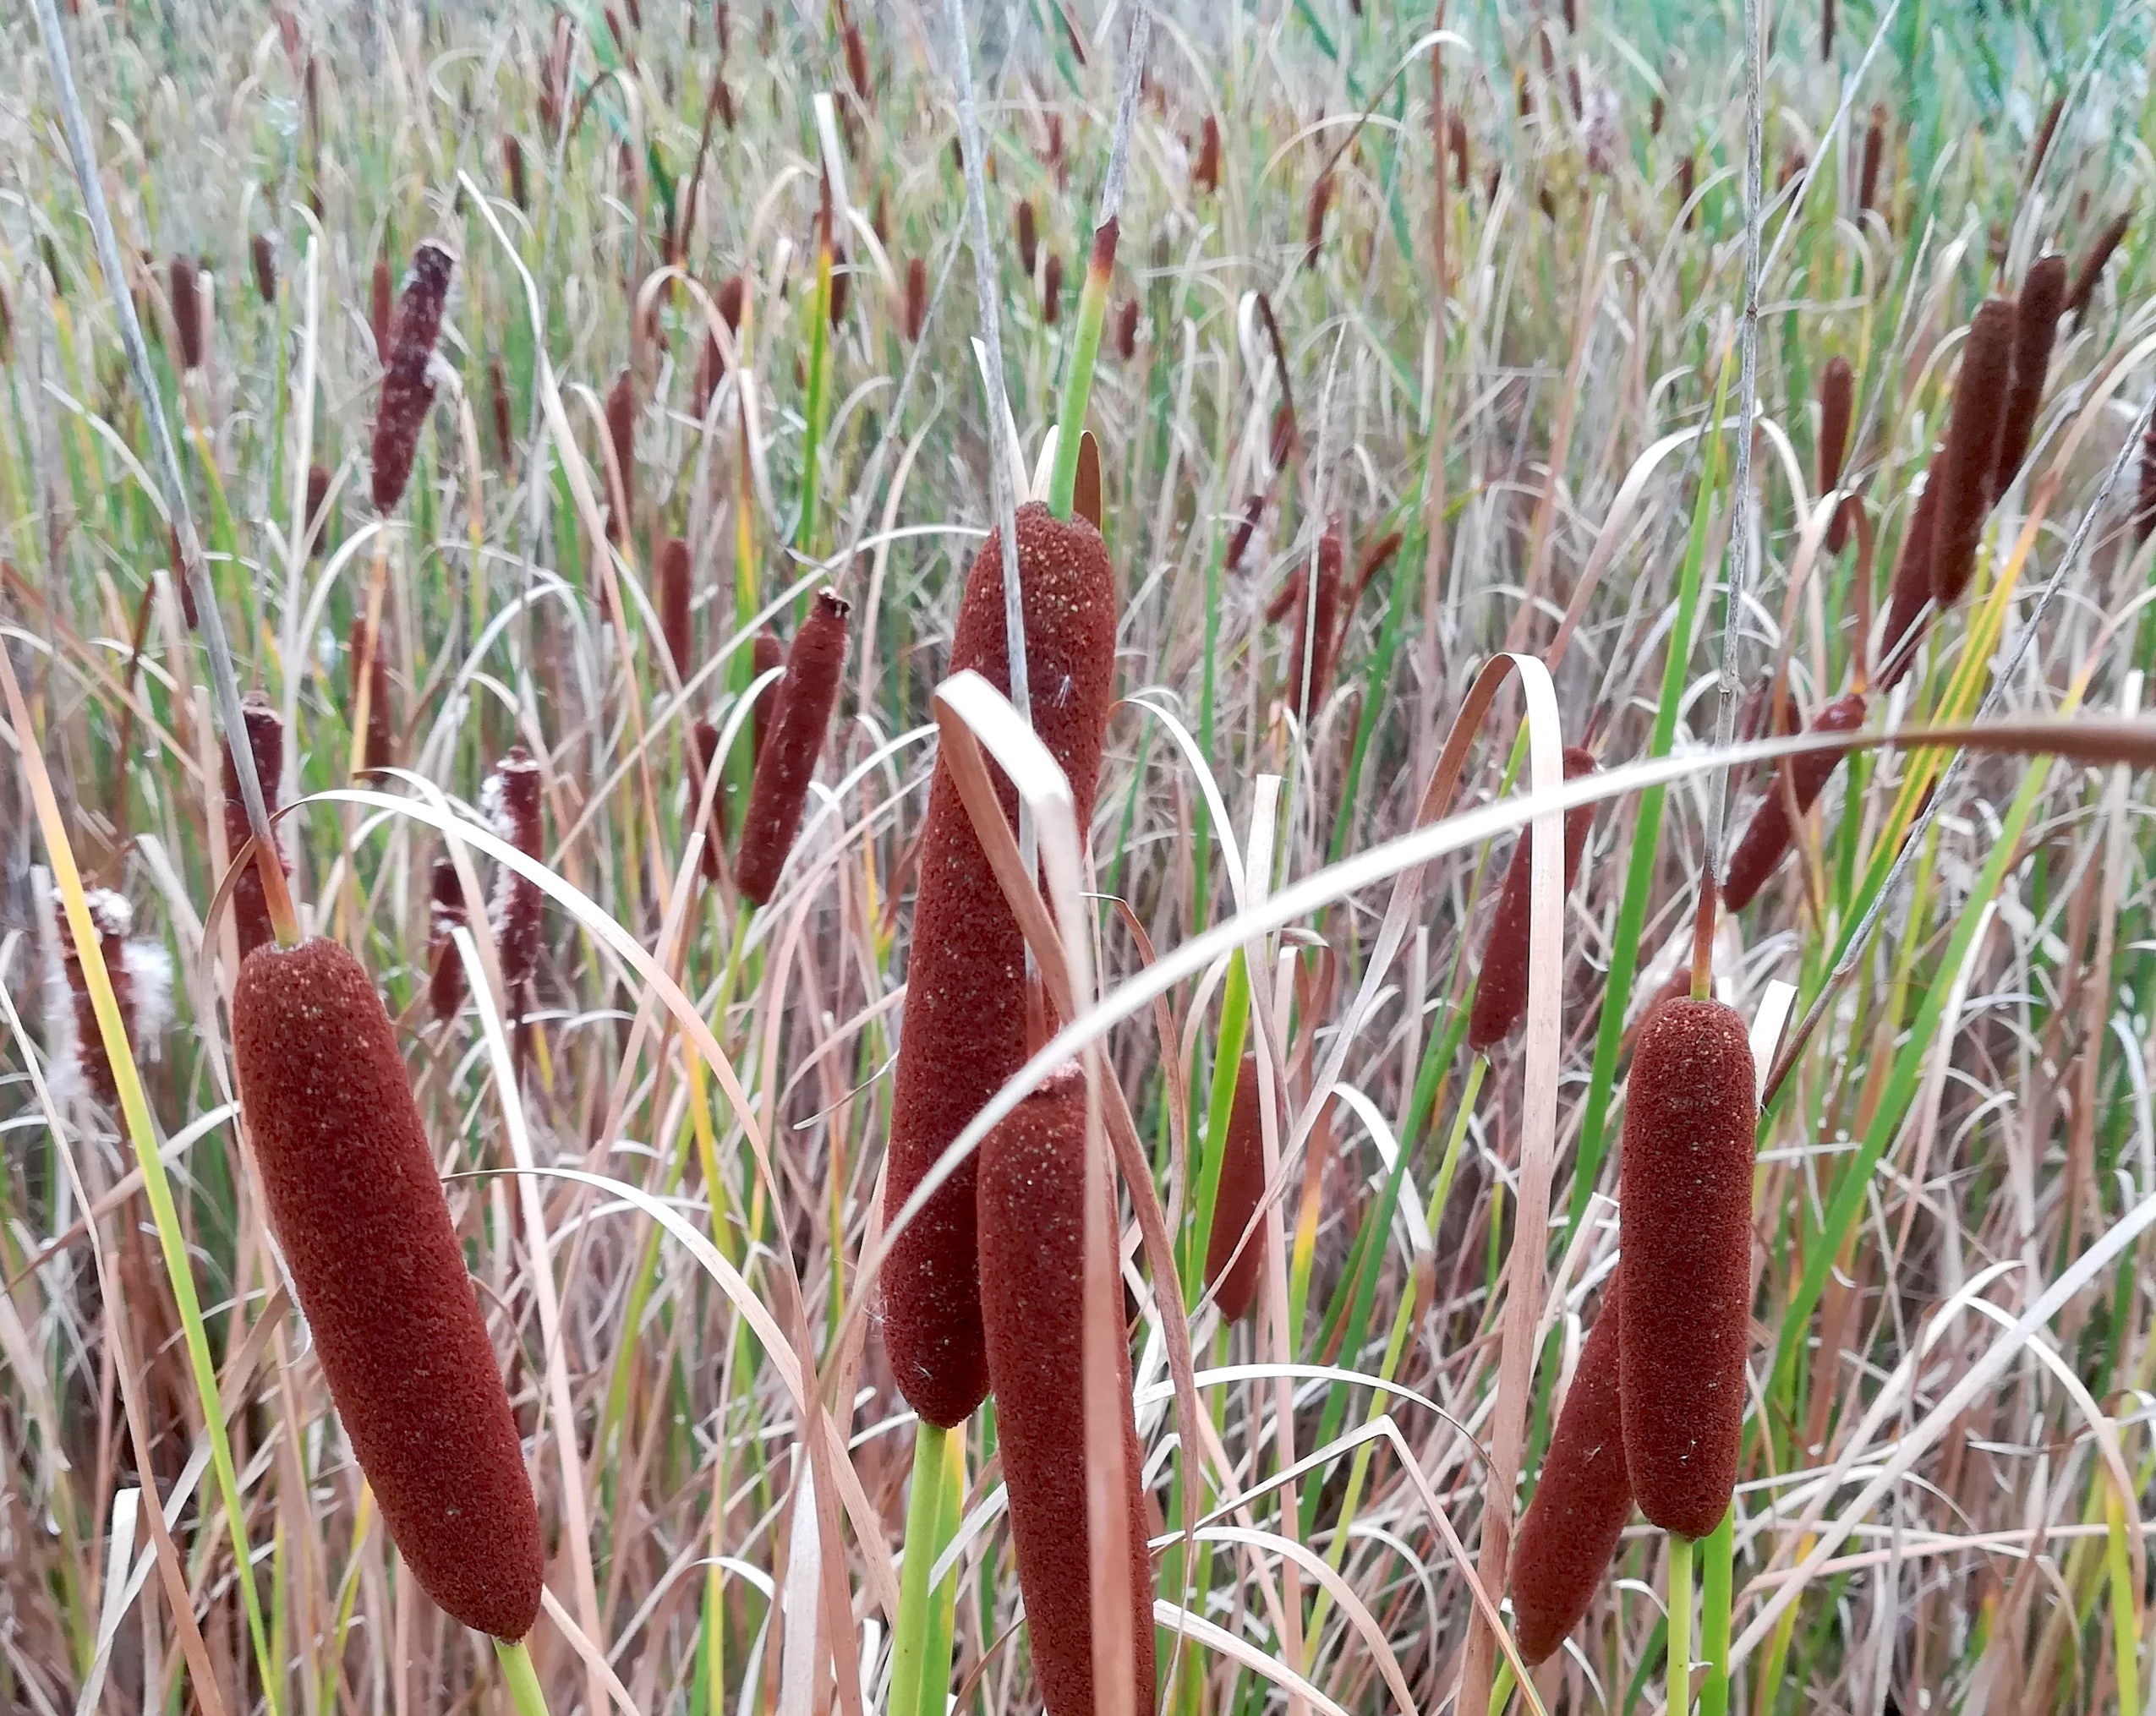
x=1716, y=1590
x=921, y=1643
x=523, y=1680
x=1501, y=1689
x=1680, y=1624
x=1078, y=380
x=816, y=404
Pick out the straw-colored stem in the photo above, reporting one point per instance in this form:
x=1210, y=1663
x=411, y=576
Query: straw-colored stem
x=1680, y=1624
x=522, y=1679
x=1716, y=1592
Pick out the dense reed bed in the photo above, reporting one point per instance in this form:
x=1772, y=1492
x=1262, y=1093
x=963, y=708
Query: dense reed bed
x=540, y=382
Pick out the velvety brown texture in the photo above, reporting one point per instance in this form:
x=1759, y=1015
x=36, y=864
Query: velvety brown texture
x=1582, y=1501
x=407, y=389
x=1500, y=986
x=1235, y=1284
x=2093, y=262
x=1971, y=454
x=1685, y=1221
x=674, y=602
x=1029, y=236
x=800, y=718
x=352, y=1194
x=622, y=436
x=1032, y=1204
x=965, y=1025
x=2036, y=326
x=318, y=497
x=916, y=298
x=186, y=289
x=1766, y=841
x=1837, y=404
x=265, y=266
x=1910, y=591
x=250, y=915
x=767, y=651
x=446, y=914
x=1206, y=175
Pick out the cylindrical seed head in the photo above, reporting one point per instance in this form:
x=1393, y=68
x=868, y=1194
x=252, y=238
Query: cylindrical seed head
x=1685, y=1217
x=1051, y=289
x=1501, y=986
x=186, y=290
x=801, y=716
x=407, y=383
x=1911, y=590
x=510, y=796
x=622, y=437
x=2093, y=263
x=1029, y=236
x=674, y=603
x=1206, y=175
x=446, y=914
x=1231, y=1276
x=917, y=298
x=1837, y=400
x=1971, y=454
x=265, y=266
x=1031, y=1215
x=2036, y=325
x=1766, y=841
x=352, y=1192
x=250, y=915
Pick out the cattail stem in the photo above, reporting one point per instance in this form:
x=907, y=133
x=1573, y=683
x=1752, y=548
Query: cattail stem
x=521, y=1678
x=1716, y=1592
x=1078, y=383
x=362, y=677
x=920, y=1671
x=816, y=404
x=1680, y=1625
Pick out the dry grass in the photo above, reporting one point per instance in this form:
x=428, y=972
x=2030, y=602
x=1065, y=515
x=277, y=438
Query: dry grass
x=1505, y=329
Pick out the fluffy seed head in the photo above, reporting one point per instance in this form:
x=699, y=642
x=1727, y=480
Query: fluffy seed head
x=250, y=917
x=1501, y=987
x=72, y=1016
x=2036, y=325
x=1232, y=1276
x=1582, y=1499
x=1971, y=454
x=1766, y=841
x=801, y=716
x=1837, y=400
x=1685, y=1213
x=352, y=1192
x=674, y=602
x=1032, y=1214
x=510, y=796
x=964, y=1024
x=407, y=382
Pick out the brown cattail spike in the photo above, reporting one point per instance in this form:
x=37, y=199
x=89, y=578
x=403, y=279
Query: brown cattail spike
x=1051, y=289
x=964, y=1024
x=352, y=1192
x=1837, y=403
x=1971, y=454
x=1911, y=590
x=1501, y=986
x=1319, y=628
x=621, y=438
x=2144, y=501
x=1031, y=1213
x=250, y=915
x=1232, y=1274
x=801, y=716
x=446, y=915
x=265, y=266
x=513, y=162
x=186, y=288
x=510, y=799
x=2093, y=264
x=1321, y=199
x=1766, y=841
x=1126, y=329
x=917, y=298
x=407, y=383
x=1874, y=158
x=2036, y=326
x=712, y=369
x=767, y=654
x=1206, y=175
x=674, y=603
x=1685, y=1211
x=704, y=736
x=1582, y=1499
x=381, y=307
x=1029, y=236
x=318, y=500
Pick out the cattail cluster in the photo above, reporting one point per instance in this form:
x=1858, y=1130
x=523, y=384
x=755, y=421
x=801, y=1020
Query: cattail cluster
x=1231, y=1260
x=1768, y=838
x=1685, y=1216
x=140, y=973
x=349, y=1182
x=368, y=667
x=1031, y=1209
x=251, y=914
x=1501, y=986
x=786, y=759
x=408, y=381
x=1582, y=1499
x=2093, y=262
x=185, y=287
x=964, y=1024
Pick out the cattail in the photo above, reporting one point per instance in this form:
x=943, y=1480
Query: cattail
x=842, y=285
x=265, y=266
x=1205, y=175
x=1374, y=562
x=704, y=735
x=965, y=1023
x=1501, y=987
x=856, y=52
x=1126, y=329
x=509, y=797
x=1284, y=434
x=1029, y=236
x=1321, y=626
x=1051, y=289
x=727, y=300
x=1688, y=171
x=1239, y=539
x=725, y=99
x=380, y=308
x=1031, y=1212
x=2093, y=264
x=622, y=437
x=1231, y=1276
x=767, y=652
x=318, y=500
x=1971, y=454
x=1911, y=590
x=2036, y=324
x=1837, y=402
x=186, y=289
x=505, y=437
x=2042, y=146
x=73, y=1037
x=2144, y=501
x=513, y=162
x=352, y=1191
x=1874, y=153
x=1826, y=48
x=1582, y=1499
x=800, y=718
x=370, y=668
x=407, y=385
x=1321, y=199
x=1766, y=841
x=1456, y=143
x=250, y=915
x=674, y=602
x=1685, y=1209
x=446, y=915
x=917, y=298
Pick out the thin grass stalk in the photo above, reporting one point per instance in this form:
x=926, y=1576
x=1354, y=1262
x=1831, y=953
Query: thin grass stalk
x=1679, y=1683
